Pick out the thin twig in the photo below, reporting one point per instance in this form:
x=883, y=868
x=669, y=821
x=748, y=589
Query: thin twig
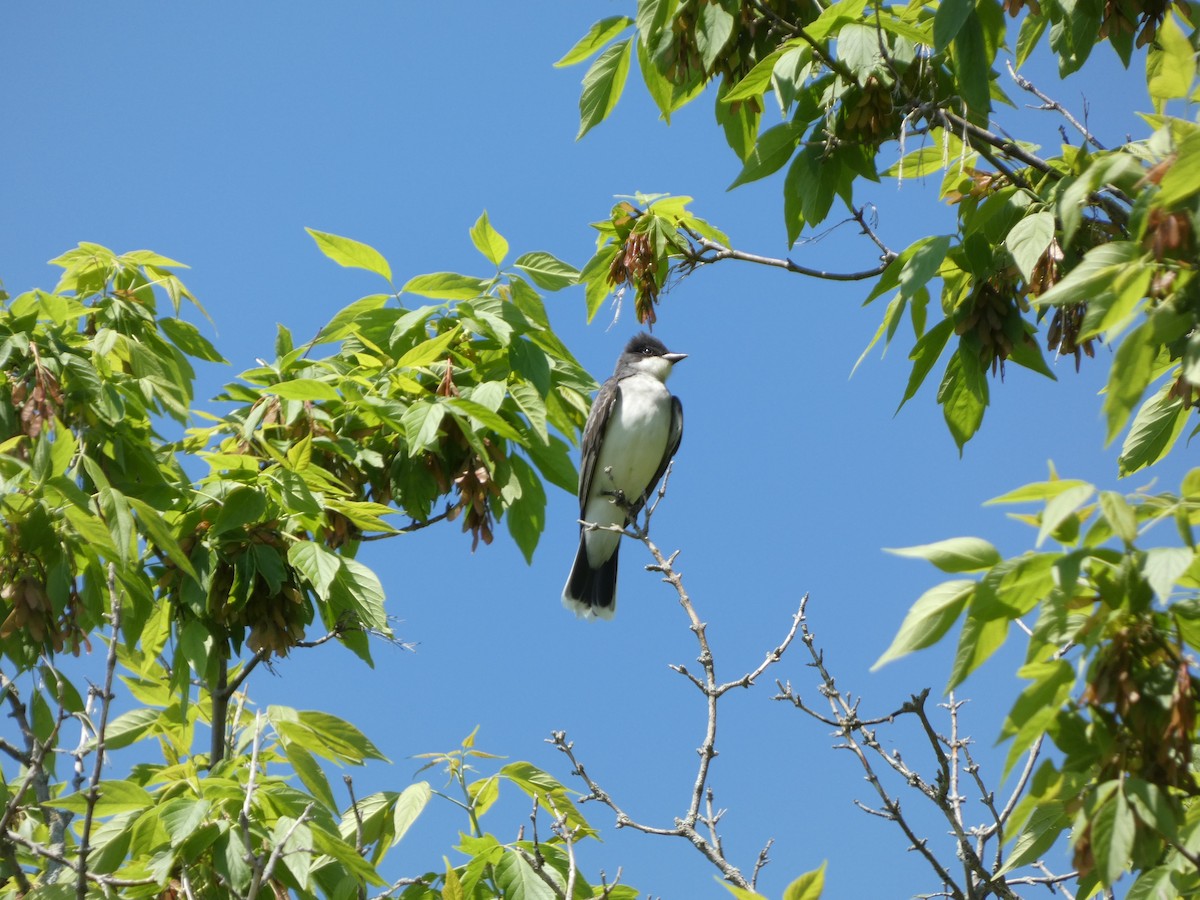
x=709, y=251
x=93, y=793
x=266, y=871
x=1050, y=104
x=96, y=878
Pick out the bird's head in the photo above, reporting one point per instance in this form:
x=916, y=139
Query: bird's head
x=648, y=355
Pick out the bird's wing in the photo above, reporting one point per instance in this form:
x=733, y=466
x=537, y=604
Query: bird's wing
x=593, y=434
x=673, y=438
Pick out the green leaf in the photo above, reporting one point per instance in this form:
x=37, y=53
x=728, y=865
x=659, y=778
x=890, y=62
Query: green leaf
x=970, y=52
x=427, y=351
x=948, y=21
x=351, y=253
x=713, y=30
x=964, y=554
x=421, y=422
x=1036, y=708
x=294, y=840
x=526, y=514
x=924, y=354
x=554, y=462
x=1119, y=515
x=1028, y=240
x=1154, y=431
x=488, y=240
x=597, y=36
x=929, y=619
x=160, y=533
x=517, y=879
x=539, y=784
x=1092, y=275
x=547, y=271
x=242, y=506
x=739, y=892
x=773, y=148
x=310, y=774
x=1031, y=31
x=963, y=398
x=130, y=727
x=409, y=804
x=316, y=563
x=1112, y=834
x=808, y=886
x=113, y=797
x=1060, y=507
x=357, y=588
x=484, y=417
x=1039, y=491
x=602, y=85
x=1170, y=63
x=1152, y=805
x=1040, y=833
x=755, y=82
x=980, y=638
x=740, y=126
x=187, y=337
x=305, y=389
x=324, y=734
x=1182, y=180
x=812, y=179
x=922, y=262
x=834, y=17
x=1163, y=567
x=445, y=286
x=181, y=817
x=347, y=320
x=660, y=89
x=1152, y=884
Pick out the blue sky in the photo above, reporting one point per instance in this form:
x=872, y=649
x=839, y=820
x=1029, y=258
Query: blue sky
x=215, y=133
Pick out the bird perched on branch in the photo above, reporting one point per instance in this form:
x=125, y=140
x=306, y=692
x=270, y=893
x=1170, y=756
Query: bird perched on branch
x=631, y=434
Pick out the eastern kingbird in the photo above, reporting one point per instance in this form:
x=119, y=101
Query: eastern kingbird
x=631, y=434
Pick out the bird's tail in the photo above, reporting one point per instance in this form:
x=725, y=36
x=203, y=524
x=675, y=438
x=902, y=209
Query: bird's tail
x=591, y=592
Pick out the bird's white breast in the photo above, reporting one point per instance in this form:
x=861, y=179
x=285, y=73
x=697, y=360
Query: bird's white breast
x=634, y=444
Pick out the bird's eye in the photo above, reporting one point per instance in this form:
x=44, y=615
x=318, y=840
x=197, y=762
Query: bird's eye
x=647, y=351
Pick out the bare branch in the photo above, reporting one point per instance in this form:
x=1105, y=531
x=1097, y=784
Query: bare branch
x=358, y=821
x=44, y=852
x=761, y=862
x=701, y=809
x=859, y=738
x=773, y=657
x=707, y=251
x=1053, y=105
x=93, y=794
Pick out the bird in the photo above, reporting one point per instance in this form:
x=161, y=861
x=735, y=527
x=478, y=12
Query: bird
x=631, y=434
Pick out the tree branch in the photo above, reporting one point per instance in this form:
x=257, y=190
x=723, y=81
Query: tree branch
x=1053, y=105
x=859, y=738
x=93, y=794
x=700, y=808
x=706, y=251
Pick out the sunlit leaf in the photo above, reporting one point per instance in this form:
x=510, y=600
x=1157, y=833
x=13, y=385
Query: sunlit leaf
x=351, y=253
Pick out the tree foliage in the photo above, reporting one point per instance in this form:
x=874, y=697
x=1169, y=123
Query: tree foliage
x=1093, y=243
x=1057, y=249
x=192, y=581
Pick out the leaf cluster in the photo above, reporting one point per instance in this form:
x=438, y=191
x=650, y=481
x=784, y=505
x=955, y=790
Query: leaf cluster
x=1087, y=245
x=389, y=410
x=1109, y=666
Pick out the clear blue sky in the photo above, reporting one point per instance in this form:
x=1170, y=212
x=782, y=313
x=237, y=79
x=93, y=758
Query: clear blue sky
x=214, y=133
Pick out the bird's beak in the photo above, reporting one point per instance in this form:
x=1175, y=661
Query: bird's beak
x=673, y=358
